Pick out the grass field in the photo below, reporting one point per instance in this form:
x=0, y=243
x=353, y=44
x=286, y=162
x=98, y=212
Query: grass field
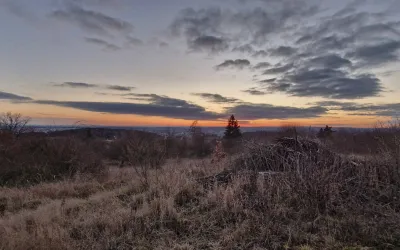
x=267, y=195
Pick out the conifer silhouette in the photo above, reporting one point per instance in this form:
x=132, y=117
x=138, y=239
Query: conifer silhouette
x=232, y=129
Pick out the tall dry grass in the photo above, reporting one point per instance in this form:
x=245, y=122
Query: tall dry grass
x=294, y=193
x=348, y=203
x=32, y=160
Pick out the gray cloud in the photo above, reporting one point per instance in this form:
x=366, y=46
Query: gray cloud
x=106, y=3
x=195, y=23
x=262, y=65
x=332, y=61
x=347, y=28
x=19, y=10
x=100, y=42
x=253, y=91
x=270, y=80
x=283, y=51
x=236, y=64
x=333, y=55
x=304, y=39
x=377, y=54
x=191, y=112
x=13, y=97
x=260, y=53
x=180, y=109
x=267, y=111
x=155, y=105
x=217, y=98
x=387, y=110
x=92, y=21
x=330, y=83
x=134, y=41
x=246, y=48
x=163, y=44
x=160, y=100
x=333, y=104
x=278, y=68
x=254, y=25
x=76, y=85
x=119, y=88
x=210, y=44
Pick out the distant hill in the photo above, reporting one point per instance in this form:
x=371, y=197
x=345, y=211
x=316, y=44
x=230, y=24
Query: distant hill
x=99, y=133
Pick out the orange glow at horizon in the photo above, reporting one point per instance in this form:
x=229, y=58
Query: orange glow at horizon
x=135, y=120
x=49, y=115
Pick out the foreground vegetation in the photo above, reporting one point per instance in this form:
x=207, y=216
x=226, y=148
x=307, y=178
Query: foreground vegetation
x=289, y=192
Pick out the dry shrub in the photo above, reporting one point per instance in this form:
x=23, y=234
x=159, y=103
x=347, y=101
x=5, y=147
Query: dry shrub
x=139, y=149
x=199, y=146
x=312, y=196
x=218, y=153
x=143, y=153
x=284, y=155
x=34, y=160
x=388, y=138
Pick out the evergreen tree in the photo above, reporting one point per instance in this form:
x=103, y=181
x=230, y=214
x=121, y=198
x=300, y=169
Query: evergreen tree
x=232, y=129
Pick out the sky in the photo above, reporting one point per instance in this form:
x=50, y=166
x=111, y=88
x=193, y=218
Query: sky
x=170, y=62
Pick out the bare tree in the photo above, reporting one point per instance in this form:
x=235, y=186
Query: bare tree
x=14, y=123
x=144, y=153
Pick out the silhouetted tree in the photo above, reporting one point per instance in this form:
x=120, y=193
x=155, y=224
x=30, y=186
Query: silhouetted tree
x=14, y=124
x=232, y=129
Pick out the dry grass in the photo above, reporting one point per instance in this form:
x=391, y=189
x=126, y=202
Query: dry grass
x=307, y=197
x=306, y=210
x=28, y=161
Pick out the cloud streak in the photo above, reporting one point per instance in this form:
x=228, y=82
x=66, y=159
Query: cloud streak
x=209, y=44
x=75, y=85
x=92, y=21
x=366, y=109
x=217, y=98
x=267, y=111
x=103, y=43
x=13, y=97
x=329, y=83
x=161, y=107
x=234, y=64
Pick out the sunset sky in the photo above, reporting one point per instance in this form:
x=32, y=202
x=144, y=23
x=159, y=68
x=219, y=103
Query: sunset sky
x=169, y=62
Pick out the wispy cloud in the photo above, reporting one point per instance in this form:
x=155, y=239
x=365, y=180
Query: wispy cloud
x=13, y=97
x=217, y=98
x=253, y=91
x=162, y=108
x=235, y=64
x=103, y=43
x=120, y=88
x=363, y=109
x=267, y=111
x=92, y=21
x=75, y=85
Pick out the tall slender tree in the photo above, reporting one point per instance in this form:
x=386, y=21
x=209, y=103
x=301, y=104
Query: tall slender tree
x=232, y=130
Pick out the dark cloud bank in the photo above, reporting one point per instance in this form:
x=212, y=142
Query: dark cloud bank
x=326, y=54
x=164, y=106
x=13, y=97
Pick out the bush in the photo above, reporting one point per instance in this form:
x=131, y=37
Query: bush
x=37, y=159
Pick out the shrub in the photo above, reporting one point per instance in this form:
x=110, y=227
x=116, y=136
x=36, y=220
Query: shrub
x=33, y=160
x=15, y=124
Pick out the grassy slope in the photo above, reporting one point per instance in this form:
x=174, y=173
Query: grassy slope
x=176, y=212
